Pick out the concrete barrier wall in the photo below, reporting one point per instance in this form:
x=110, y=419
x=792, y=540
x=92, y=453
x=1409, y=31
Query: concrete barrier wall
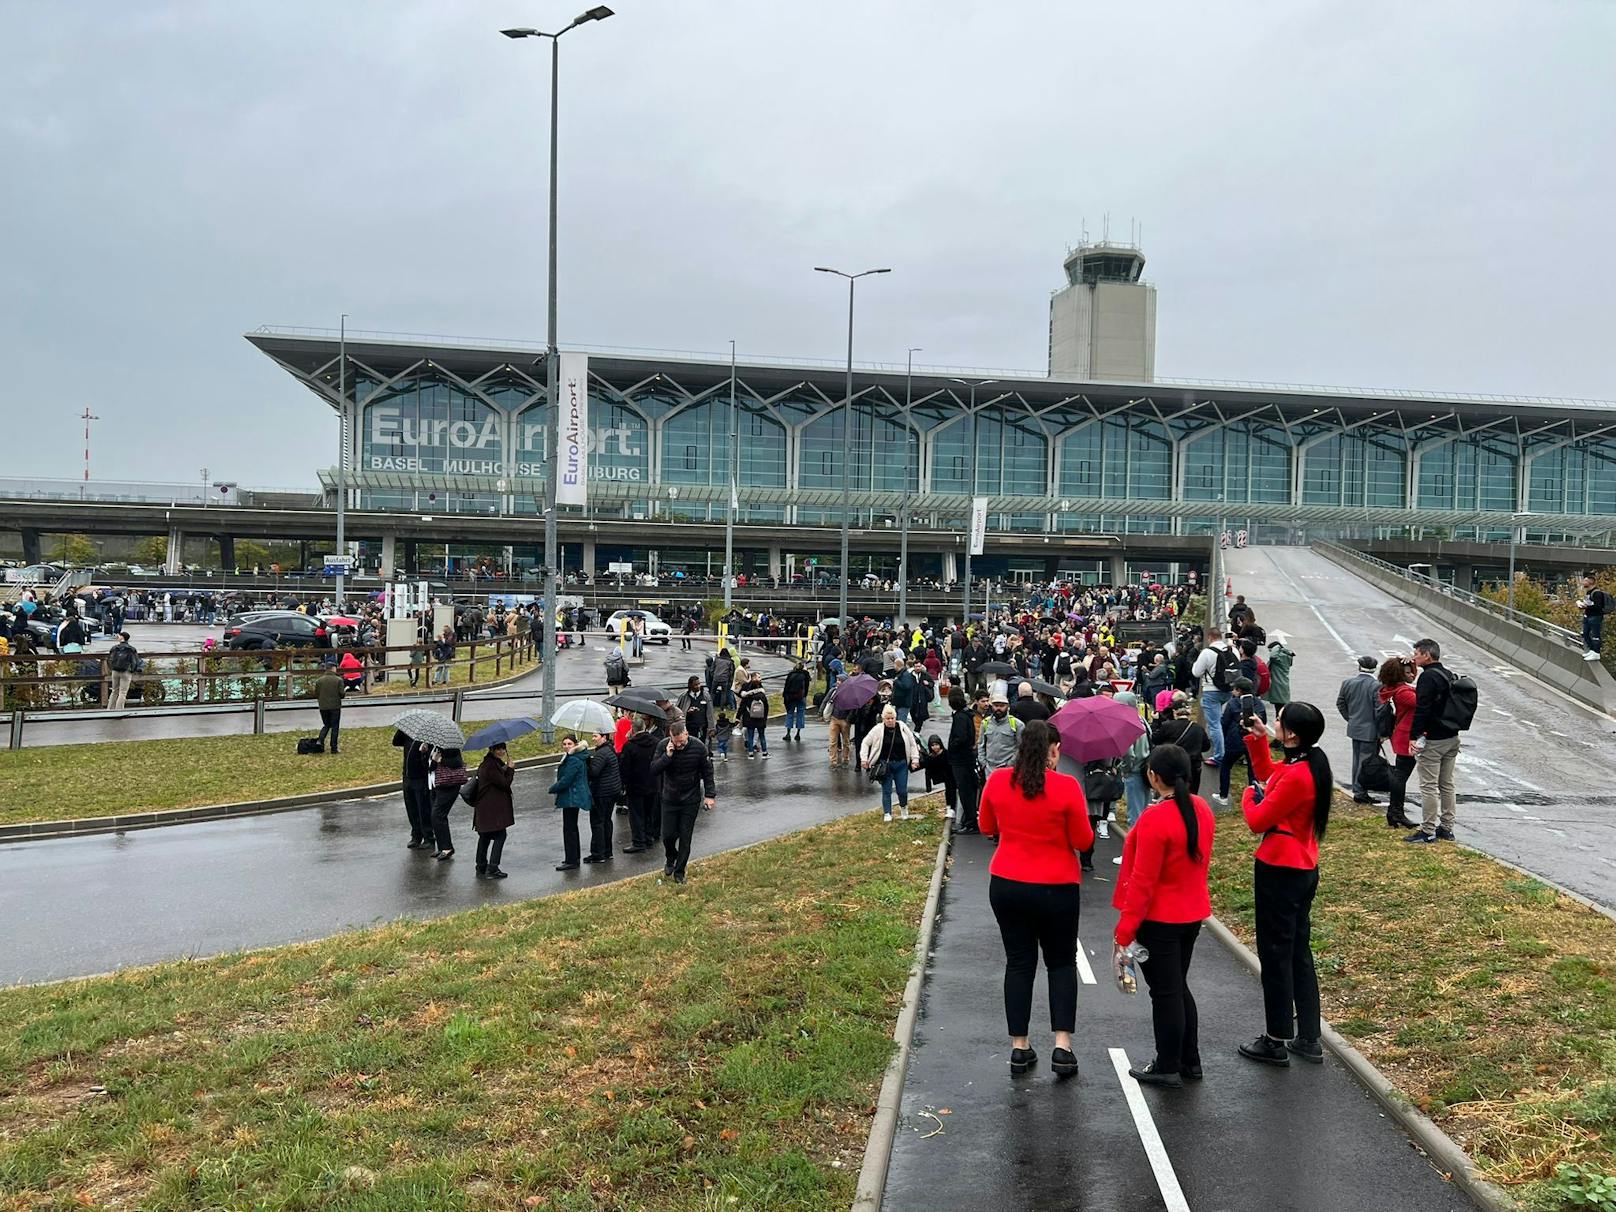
x=1543, y=657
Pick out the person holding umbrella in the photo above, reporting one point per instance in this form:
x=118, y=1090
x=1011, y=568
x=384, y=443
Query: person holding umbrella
x=571, y=789
x=634, y=768
x=447, y=772
x=493, y=812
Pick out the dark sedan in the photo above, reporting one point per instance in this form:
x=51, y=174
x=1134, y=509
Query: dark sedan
x=278, y=631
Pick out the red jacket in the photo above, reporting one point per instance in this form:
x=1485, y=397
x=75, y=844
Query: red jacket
x=1402, y=699
x=1038, y=839
x=1158, y=881
x=620, y=733
x=1286, y=812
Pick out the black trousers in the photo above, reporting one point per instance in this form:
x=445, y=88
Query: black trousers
x=418, y=808
x=1400, y=772
x=600, y=828
x=678, y=826
x=442, y=803
x=644, y=822
x=1172, y=1008
x=1030, y=917
x=966, y=790
x=1284, y=909
x=330, y=721
x=489, y=847
x=569, y=835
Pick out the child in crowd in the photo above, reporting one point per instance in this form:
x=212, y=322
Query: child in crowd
x=722, y=732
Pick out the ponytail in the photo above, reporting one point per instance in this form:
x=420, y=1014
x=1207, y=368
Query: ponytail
x=1171, y=764
x=1307, y=723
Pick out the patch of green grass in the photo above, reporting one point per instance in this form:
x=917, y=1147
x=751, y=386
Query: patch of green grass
x=636, y=1046
x=1487, y=998
x=111, y=778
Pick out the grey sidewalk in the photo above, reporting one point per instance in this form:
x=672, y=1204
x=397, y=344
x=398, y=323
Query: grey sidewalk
x=77, y=906
x=1307, y=1139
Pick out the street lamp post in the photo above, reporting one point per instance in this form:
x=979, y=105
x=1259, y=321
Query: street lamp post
x=342, y=447
x=1514, y=538
x=730, y=458
x=847, y=423
x=970, y=460
x=552, y=407
x=903, y=522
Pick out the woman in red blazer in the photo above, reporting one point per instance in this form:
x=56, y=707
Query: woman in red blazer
x=1291, y=810
x=1163, y=896
x=1042, y=822
x=1396, y=678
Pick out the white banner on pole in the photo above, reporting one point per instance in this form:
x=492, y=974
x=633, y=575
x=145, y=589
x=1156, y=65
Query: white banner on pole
x=979, y=524
x=573, y=458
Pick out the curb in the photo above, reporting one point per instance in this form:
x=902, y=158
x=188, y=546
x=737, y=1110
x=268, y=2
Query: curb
x=39, y=831
x=872, y=1180
x=1442, y=1150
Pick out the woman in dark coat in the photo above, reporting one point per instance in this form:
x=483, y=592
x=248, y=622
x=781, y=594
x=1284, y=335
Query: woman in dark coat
x=448, y=770
x=571, y=789
x=634, y=767
x=494, y=811
x=961, y=749
x=605, y=785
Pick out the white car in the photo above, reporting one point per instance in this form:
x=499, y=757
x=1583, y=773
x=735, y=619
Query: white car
x=655, y=628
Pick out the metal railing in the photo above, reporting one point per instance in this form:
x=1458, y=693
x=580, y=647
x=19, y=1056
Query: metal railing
x=1542, y=627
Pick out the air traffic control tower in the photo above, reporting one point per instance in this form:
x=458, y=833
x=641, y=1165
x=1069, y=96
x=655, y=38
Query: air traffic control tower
x=1102, y=324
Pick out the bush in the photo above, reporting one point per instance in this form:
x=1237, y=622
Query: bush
x=1584, y=1187
x=1556, y=602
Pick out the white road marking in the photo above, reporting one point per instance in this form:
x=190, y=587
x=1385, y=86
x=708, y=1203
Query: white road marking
x=1336, y=635
x=1403, y=639
x=1529, y=817
x=1084, y=972
x=1166, y=1180
x=1508, y=715
x=1511, y=807
x=1556, y=832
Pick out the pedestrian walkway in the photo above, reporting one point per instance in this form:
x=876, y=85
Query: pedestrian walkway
x=77, y=906
x=1306, y=1139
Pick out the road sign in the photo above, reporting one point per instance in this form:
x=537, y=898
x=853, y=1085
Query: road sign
x=619, y=566
x=343, y=562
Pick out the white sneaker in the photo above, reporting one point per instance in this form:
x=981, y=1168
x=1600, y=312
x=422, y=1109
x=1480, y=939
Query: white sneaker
x=903, y=814
x=948, y=814
x=886, y=817
x=765, y=755
x=1102, y=830
x=1590, y=656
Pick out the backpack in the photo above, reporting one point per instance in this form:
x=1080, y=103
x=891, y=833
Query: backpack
x=617, y=669
x=1226, y=670
x=1385, y=720
x=1263, y=679
x=1459, y=707
x=758, y=708
x=309, y=744
x=121, y=659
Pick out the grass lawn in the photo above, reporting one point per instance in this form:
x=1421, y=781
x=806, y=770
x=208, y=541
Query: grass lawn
x=62, y=782
x=637, y=1046
x=1484, y=995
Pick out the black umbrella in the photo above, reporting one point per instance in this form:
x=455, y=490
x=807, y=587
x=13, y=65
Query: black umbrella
x=636, y=703
x=1046, y=688
x=1002, y=669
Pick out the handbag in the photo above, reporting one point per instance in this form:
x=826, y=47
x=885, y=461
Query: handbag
x=1102, y=786
x=1375, y=773
x=879, y=770
x=470, y=790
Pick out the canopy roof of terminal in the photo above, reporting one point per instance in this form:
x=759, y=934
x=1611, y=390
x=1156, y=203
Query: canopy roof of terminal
x=309, y=351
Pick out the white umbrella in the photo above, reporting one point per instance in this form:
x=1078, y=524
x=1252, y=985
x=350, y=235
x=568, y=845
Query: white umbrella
x=431, y=727
x=583, y=715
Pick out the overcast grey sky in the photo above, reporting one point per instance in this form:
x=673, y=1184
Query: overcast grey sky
x=1378, y=194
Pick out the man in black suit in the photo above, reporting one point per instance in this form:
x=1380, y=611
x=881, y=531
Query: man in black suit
x=684, y=770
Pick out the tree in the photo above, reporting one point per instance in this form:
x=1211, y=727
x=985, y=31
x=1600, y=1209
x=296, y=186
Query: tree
x=251, y=555
x=75, y=549
x=152, y=551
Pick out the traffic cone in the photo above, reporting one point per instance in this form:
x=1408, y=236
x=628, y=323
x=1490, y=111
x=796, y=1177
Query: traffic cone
x=1228, y=587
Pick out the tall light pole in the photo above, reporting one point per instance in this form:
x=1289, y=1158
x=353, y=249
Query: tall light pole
x=342, y=446
x=552, y=405
x=970, y=461
x=86, y=416
x=847, y=422
x=903, y=521
x=730, y=459
x=1514, y=538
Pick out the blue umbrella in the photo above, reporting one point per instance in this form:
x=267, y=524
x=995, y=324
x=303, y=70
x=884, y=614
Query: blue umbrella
x=501, y=733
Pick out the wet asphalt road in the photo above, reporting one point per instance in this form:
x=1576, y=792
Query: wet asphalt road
x=77, y=906
x=1303, y=1139
x=578, y=672
x=1535, y=771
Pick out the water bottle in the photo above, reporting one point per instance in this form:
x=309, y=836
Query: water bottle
x=1133, y=955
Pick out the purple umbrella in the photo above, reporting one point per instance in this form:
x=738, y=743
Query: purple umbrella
x=854, y=692
x=1097, y=729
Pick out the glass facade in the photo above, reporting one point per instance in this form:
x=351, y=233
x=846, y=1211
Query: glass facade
x=465, y=432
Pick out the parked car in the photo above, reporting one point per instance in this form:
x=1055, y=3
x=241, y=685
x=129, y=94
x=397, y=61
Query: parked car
x=655, y=628
x=277, y=631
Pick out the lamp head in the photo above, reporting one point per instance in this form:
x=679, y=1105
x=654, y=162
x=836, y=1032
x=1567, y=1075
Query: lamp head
x=525, y=32
x=599, y=13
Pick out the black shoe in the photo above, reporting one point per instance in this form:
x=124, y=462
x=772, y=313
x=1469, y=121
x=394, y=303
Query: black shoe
x=636, y=848
x=968, y=830
x=1443, y=835
x=1022, y=1060
x=443, y=855
x=1399, y=821
x=1419, y=837
x=1191, y=1073
x=668, y=870
x=1149, y=1077
x=1266, y=1051
x=596, y=858
x=1365, y=798
x=414, y=843
x=567, y=867
x=1087, y=864
x=1063, y=1062
x=679, y=877
x=482, y=868
x=1309, y=1050
x=494, y=873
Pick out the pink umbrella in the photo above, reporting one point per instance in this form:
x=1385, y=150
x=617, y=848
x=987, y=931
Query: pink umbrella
x=1096, y=729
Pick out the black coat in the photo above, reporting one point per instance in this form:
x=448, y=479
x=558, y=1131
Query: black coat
x=634, y=763
x=494, y=809
x=685, y=775
x=796, y=686
x=961, y=747
x=605, y=780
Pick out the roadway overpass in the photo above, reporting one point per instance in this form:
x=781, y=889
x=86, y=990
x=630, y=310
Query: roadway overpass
x=762, y=549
